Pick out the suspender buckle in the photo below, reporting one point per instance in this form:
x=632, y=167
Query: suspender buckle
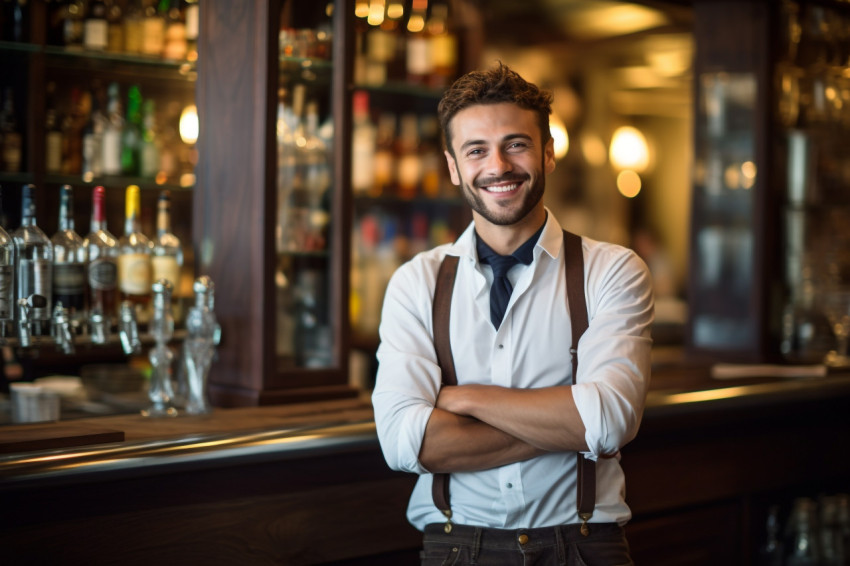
x=585, y=517
x=448, y=526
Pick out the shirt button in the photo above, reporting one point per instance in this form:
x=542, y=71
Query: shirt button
x=501, y=346
x=522, y=539
x=509, y=485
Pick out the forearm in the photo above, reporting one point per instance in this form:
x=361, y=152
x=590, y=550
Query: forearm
x=546, y=418
x=456, y=443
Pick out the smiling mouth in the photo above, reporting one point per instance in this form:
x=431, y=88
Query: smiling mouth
x=501, y=188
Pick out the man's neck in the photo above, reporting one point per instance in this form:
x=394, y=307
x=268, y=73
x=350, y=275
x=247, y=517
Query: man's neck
x=504, y=240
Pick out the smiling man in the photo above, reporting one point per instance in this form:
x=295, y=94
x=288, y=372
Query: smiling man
x=516, y=442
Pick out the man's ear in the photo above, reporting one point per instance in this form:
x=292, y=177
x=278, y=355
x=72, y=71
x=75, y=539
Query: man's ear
x=450, y=160
x=549, y=156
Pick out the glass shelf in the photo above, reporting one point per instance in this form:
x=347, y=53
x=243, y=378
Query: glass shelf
x=108, y=181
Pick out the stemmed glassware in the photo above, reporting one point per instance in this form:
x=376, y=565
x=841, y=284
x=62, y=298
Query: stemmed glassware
x=835, y=303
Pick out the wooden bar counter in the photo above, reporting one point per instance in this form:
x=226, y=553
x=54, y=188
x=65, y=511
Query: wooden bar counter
x=307, y=484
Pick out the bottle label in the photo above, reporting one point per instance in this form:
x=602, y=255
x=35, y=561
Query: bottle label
x=103, y=274
x=95, y=34
x=34, y=279
x=53, y=152
x=6, y=288
x=165, y=267
x=111, y=149
x=12, y=152
x=134, y=274
x=153, y=35
x=69, y=279
x=418, y=57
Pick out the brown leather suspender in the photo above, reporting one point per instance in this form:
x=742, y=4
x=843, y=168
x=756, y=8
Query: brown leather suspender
x=441, y=313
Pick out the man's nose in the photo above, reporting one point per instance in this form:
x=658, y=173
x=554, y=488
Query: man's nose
x=498, y=163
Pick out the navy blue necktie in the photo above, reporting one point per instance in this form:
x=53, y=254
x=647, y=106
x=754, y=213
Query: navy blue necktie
x=500, y=292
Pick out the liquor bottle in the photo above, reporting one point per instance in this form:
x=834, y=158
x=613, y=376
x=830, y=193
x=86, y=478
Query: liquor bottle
x=418, y=59
x=115, y=27
x=286, y=124
x=74, y=24
x=72, y=135
x=385, y=161
x=133, y=27
x=7, y=282
x=442, y=47
x=167, y=255
x=174, y=44
x=804, y=548
x=132, y=133
x=56, y=14
x=433, y=162
x=312, y=332
x=10, y=134
x=112, y=131
x=95, y=26
x=69, y=261
x=363, y=138
x=35, y=266
x=409, y=160
x=771, y=551
x=15, y=21
x=315, y=174
x=192, y=27
x=53, y=132
x=148, y=150
x=93, y=139
x=153, y=27
x=134, y=260
x=102, y=270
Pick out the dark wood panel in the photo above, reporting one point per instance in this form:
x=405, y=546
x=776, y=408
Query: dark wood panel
x=710, y=535
x=230, y=212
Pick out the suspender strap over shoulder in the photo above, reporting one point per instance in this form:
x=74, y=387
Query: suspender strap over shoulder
x=441, y=312
x=586, y=468
x=441, y=315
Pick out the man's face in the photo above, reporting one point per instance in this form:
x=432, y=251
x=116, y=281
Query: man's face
x=499, y=161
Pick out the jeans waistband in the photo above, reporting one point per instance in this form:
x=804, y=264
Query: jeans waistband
x=483, y=537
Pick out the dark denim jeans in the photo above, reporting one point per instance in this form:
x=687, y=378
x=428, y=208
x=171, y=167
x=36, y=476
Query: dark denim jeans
x=551, y=546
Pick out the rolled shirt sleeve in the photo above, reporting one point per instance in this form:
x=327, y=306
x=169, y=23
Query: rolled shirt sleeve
x=409, y=378
x=615, y=351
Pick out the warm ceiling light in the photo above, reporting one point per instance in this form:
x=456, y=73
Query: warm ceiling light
x=607, y=19
x=593, y=149
x=376, y=12
x=628, y=183
x=629, y=150
x=361, y=8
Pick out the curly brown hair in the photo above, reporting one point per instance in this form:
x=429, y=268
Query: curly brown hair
x=494, y=86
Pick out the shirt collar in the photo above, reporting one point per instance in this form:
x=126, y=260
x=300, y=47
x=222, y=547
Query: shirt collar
x=550, y=240
x=523, y=254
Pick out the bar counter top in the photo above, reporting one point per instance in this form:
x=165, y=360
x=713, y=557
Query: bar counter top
x=306, y=484
x=262, y=434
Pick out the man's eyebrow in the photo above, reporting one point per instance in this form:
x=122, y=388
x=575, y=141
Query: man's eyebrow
x=508, y=137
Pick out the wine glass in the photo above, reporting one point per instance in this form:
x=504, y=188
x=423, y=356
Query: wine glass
x=835, y=303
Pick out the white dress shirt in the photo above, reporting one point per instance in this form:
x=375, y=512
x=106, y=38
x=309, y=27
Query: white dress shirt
x=530, y=350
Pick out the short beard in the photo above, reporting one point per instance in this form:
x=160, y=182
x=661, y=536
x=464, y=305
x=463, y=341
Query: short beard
x=506, y=217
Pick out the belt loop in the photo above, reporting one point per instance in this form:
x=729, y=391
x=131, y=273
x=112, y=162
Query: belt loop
x=562, y=547
x=476, y=543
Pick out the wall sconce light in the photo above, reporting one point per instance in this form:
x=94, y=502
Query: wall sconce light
x=629, y=150
x=189, y=125
x=559, y=136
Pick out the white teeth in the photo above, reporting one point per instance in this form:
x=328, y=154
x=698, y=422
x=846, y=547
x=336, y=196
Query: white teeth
x=502, y=189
